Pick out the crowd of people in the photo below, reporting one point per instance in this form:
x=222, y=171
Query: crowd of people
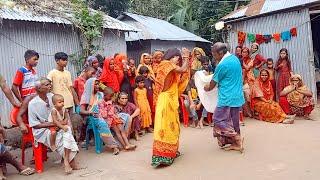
x=273, y=93
x=124, y=100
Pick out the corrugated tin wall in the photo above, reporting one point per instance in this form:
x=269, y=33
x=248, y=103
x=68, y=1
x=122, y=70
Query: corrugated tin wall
x=44, y=38
x=300, y=48
x=113, y=41
x=165, y=45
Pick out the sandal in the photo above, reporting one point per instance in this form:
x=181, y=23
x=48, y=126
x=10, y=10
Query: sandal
x=27, y=172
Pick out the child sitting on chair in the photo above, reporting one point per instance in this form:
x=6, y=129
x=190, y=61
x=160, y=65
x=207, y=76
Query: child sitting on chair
x=60, y=117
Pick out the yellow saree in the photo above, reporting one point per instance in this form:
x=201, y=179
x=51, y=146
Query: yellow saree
x=167, y=124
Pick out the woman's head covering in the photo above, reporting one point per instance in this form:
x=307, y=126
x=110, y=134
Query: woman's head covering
x=156, y=54
x=89, y=61
x=109, y=77
x=296, y=76
x=88, y=93
x=255, y=53
x=199, y=50
x=170, y=53
x=264, y=69
x=142, y=58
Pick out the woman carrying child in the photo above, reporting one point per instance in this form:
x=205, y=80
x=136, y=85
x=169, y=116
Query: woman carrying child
x=89, y=107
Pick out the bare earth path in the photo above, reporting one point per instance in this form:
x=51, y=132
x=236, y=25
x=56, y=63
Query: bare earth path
x=272, y=152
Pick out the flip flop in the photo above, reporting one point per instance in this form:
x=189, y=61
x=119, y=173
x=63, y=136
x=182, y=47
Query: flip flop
x=27, y=172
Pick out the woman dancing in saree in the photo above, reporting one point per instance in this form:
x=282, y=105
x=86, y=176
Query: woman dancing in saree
x=89, y=107
x=262, y=101
x=170, y=83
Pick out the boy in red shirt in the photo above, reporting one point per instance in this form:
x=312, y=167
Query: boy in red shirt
x=26, y=76
x=79, y=82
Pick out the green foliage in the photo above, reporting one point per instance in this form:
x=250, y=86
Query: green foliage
x=90, y=25
x=184, y=17
x=113, y=8
x=160, y=9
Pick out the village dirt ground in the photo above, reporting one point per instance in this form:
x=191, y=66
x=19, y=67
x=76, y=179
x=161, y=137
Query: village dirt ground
x=272, y=152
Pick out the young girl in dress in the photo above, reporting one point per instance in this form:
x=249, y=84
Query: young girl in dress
x=141, y=100
x=283, y=67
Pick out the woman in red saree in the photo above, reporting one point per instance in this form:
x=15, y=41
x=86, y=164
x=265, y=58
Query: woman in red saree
x=171, y=81
x=297, y=98
x=262, y=103
x=283, y=67
x=119, y=61
x=109, y=76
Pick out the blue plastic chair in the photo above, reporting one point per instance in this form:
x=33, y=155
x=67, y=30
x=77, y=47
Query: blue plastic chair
x=91, y=125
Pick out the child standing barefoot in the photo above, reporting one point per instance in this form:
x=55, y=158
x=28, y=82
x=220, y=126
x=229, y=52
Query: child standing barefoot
x=141, y=100
x=60, y=117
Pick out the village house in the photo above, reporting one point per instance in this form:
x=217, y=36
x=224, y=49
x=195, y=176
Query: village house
x=157, y=34
x=270, y=17
x=22, y=29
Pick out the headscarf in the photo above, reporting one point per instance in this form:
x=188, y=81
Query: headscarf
x=109, y=77
x=89, y=61
x=88, y=96
x=295, y=98
x=142, y=63
x=262, y=89
x=155, y=64
x=196, y=63
x=254, y=54
x=118, y=66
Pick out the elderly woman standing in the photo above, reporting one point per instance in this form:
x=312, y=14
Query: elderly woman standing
x=92, y=61
x=297, y=98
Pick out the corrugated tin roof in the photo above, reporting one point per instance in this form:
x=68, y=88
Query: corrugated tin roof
x=153, y=28
x=28, y=15
x=267, y=7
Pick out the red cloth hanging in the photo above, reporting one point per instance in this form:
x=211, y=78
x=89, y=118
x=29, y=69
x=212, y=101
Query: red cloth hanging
x=293, y=32
x=260, y=39
x=241, y=38
x=277, y=37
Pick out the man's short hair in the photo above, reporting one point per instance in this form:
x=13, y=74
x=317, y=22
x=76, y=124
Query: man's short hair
x=30, y=53
x=60, y=55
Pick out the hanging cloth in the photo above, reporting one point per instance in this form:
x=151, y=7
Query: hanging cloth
x=241, y=38
x=293, y=32
x=259, y=39
x=276, y=37
x=267, y=38
x=286, y=36
x=251, y=38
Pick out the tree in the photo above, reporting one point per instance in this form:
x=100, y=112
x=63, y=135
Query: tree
x=160, y=9
x=185, y=16
x=113, y=8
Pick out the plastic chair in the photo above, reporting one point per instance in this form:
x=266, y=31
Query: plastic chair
x=13, y=116
x=39, y=152
x=185, y=114
x=97, y=140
